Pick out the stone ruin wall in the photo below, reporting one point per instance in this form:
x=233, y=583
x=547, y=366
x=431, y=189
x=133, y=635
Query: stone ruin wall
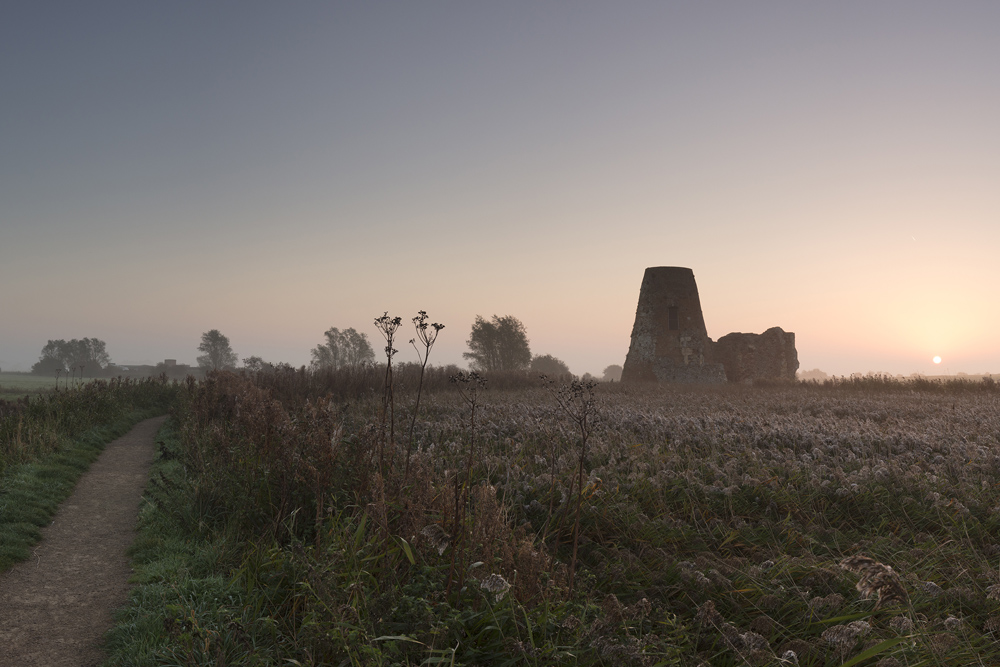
x=748, y=357
x=670, y=342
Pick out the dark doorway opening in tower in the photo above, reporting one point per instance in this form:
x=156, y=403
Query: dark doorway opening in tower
x=673, y=321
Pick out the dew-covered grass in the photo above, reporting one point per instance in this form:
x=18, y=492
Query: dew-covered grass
x=849, y=523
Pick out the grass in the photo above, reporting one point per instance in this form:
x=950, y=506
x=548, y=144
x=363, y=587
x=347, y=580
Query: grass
x=18, y=385
x=180, y=594
x=47, y=442
x=849, y=523
x=30, y=493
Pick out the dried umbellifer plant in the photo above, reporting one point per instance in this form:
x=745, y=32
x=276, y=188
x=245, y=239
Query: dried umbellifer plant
x=469, y=385
x=427, y=335
x=576, y=400
x=387, y=326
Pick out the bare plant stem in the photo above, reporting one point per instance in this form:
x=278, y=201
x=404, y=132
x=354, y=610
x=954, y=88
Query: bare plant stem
x=387, y=326
x=471, y=396
x=577, y=401
x=427, y=339
x=552, y=503
x=576, y=522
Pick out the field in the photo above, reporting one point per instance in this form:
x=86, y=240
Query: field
x=17, y=385
x=850, y=523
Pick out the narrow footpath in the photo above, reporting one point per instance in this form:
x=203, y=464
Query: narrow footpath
x=56, y=606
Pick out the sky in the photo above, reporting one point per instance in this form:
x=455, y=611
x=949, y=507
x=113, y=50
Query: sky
x=272, y=170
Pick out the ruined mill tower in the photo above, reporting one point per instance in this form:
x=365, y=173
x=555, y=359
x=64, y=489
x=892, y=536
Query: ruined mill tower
x=670, y=342
x=669, y=339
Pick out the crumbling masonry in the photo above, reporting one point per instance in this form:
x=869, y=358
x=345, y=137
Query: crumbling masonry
x=670, y=342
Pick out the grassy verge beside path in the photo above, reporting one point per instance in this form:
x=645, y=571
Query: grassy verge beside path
x=183, y=594
x=48, y=442
x=30, y=493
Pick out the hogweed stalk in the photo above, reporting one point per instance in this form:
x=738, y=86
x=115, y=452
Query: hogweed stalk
x=469, y=386
x=576, y=400
x=387, y=326
x=427, y=335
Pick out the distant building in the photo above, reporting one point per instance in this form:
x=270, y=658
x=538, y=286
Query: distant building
x=670, y=342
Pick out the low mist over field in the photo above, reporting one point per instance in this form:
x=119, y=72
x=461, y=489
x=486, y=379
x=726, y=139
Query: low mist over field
x=274, y=171
x=580, y=333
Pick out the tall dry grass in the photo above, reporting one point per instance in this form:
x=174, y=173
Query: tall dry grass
x=697, y=525
x=34, y=426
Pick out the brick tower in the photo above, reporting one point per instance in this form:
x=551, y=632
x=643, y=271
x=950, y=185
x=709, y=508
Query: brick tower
x=669, y=339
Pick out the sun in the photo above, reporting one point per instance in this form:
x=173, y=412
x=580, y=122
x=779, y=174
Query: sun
x=937, y=360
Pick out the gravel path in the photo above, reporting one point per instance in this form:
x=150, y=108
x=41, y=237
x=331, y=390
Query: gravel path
x=55, y=607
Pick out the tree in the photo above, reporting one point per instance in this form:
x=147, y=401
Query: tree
x=85, y=354
x=48, y=366
x=254, y=364
x=612, y=373
x=549, y=365
x=500, y=344
x=346, y=348
x=218, y=353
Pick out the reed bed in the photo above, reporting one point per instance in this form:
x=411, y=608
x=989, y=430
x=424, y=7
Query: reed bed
x=48, y=441
x=850, y=522
x=34, y=426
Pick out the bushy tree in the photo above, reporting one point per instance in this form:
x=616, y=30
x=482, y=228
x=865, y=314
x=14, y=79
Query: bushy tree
x=88, y=354
x=48, y=366
x=498, y=344
x=612, y=373
x=343, y=348
x=218, y=353
x=546, y=364
x=254, y=364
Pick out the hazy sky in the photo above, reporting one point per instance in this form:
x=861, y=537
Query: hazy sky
x=274, y=169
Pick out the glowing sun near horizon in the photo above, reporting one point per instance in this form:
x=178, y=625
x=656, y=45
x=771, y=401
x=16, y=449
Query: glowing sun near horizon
x=937, y=360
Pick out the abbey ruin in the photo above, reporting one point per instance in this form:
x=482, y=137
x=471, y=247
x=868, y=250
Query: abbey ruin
x=670, y=342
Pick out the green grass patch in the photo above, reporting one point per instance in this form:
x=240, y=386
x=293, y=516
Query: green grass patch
x=30, y=493
x=19, y=385
x=184, y=602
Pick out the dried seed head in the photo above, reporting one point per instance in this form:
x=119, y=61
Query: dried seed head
x=495, y=584
x=844, y=637
x=754, y=642
x=876, y=579
x=437, y=537
x=763, y=625
x=901, y=624
x=708, y=615
x=931, y=588
x=770, y=602
x=857, y=563
x=790, y=657
x=571, y=622
x=832, y=602
x=612, y=609
x=640, y=609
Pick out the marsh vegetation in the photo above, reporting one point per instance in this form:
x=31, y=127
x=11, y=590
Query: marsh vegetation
x=47, y=440
x=853, y=522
